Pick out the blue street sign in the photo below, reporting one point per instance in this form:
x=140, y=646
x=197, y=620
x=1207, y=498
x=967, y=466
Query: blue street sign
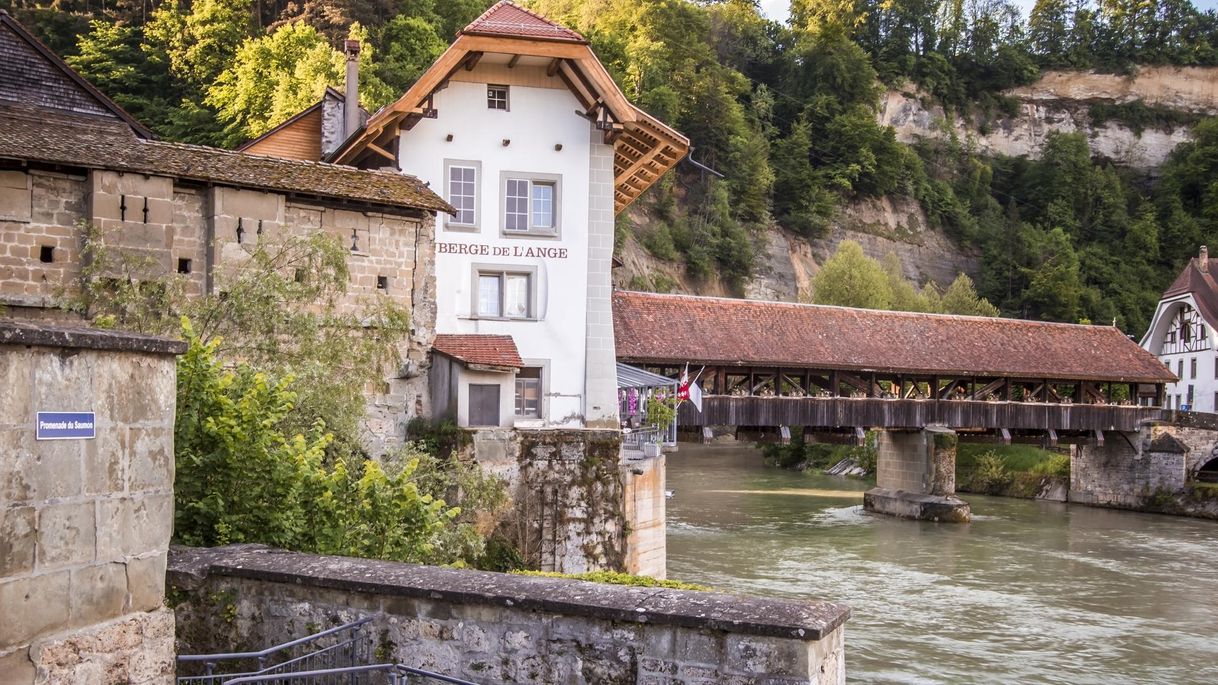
x=66, y=425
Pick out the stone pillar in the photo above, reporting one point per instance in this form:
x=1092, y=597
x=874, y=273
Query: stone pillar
x=916, y=476
x=645, y=510
x=85, y=521
x=600, y=366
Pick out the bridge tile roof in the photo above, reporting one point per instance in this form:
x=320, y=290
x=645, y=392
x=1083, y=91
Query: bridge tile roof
x=651, y=328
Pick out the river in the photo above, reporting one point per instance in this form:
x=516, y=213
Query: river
x=1029, y=592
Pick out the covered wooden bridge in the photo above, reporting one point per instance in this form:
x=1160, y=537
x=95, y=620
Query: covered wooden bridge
x=770, y=364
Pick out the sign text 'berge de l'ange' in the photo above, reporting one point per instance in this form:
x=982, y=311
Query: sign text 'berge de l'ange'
x=484, y=250
x=65, y=425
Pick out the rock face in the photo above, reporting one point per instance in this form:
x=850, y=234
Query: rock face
x=1060, y=101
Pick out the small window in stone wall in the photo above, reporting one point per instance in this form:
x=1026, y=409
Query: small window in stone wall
x=46, y=254
x=184, y=266
x=382, y=282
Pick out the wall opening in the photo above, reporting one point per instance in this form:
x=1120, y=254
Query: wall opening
x=183, y=266
x=1208, y=473
x=46, y=254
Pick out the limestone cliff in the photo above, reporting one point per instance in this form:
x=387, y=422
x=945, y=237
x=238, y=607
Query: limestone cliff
x=1062, y=101
x=1059, y=101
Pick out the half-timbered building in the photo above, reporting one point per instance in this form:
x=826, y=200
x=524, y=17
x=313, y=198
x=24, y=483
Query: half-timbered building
x=1181, y=335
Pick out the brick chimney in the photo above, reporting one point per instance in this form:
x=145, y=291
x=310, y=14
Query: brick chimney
x=351, y=103
x=1203, y=260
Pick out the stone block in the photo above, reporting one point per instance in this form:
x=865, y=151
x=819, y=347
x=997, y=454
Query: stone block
x=106, y=461
x=151, y=458
x=16, y=667
x=766, y=655
x=120, y=401
x=64, y=382
x=146, y=582
x=133, y=526
x=104, y=206
x=248, y=204
x=98, y=593
x=699, y=646
x=17, y=538
x=16, y=196
x=33, y=606
x=67, y=534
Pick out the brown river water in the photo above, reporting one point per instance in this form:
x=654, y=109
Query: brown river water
x=1029, y=592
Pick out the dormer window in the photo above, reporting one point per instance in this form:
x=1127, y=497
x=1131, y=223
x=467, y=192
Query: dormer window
x=497, y=97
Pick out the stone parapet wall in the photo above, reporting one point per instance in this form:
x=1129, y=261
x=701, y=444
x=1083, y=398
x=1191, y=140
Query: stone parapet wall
x=646, y=510
x=85, y=523
x=497, y=628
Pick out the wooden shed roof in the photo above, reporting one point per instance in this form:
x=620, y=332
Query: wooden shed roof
x=651, y=328
x=644, y=147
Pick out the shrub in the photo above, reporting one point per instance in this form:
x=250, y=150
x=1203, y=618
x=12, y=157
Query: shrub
x=1057, y=465
x=990, y=475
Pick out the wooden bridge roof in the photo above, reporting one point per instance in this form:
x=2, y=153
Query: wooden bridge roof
x=657, y=329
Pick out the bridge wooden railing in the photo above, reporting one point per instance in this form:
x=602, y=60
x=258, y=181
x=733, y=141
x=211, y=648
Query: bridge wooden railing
x=843, y=412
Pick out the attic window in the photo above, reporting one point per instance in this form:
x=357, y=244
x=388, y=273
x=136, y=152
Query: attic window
x=497, y=97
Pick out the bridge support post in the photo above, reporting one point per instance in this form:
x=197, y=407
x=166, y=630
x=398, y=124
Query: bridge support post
x=916, y=476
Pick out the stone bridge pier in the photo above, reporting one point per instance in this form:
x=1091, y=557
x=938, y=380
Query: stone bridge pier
x=1127, y=468
x=916, y=476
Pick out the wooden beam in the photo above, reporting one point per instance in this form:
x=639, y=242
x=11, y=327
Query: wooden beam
x=472, y=60
x=528, y=48
x=638, y=165
x=381, y=151
x=552, y=67
x=512, y=62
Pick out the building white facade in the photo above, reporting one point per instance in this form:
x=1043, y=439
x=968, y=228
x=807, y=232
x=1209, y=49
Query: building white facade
x=522, y=130
x=515, y=260
x=1181, y=335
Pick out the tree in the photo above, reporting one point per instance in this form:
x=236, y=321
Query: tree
x=408, y=46
x=851, y=279
x=962, y=298
x=1049, y=31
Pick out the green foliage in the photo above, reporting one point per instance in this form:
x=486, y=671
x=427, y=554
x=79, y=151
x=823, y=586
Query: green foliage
x=852, y=279
x=1057, y=465
x=661, y=412
x=242, y=478
x=1139, y=116
x=615, y=578
x=990, y=475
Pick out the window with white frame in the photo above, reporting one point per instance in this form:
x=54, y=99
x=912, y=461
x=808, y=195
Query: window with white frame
x=463, y=194
x=497, y=97
x=530, y=205
x=504, y=294
x=528, y=391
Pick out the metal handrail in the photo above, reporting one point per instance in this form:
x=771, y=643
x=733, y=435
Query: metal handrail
x=394, y=670
x=263, y=653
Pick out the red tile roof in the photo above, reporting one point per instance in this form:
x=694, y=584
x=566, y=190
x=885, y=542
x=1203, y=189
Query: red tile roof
x=652, y=328
x=507, y=19
x=480, y=349
x=1201, y=285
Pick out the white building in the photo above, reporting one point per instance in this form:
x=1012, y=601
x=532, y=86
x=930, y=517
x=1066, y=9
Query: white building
x=1181, y=335
x=523, y=131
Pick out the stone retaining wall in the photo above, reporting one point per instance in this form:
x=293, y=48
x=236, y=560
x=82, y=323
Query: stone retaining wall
x=85, y=523
x=497, y=628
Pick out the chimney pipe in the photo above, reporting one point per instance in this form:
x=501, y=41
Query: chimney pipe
x=351, y=98
x=1203, y=260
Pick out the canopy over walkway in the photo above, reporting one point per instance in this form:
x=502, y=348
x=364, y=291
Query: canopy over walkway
x=776, y=364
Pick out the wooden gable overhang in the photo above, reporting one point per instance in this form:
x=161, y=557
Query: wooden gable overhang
x=644, y=147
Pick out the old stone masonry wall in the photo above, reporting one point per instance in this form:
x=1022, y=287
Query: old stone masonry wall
x=85, y=522
x=497, y=628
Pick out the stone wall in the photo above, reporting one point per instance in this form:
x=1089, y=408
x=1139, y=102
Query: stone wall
x=916, y=476
x=1128, y=469
x=496, y=628
x=85, y=523
x=157, y=227
x=577, y=505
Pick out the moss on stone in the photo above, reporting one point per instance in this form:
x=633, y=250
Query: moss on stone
x=614, y=578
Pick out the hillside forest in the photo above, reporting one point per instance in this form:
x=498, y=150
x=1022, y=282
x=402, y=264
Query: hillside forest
x=786, y=112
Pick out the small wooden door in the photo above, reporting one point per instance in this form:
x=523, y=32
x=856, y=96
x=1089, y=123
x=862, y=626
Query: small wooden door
x=483, y=405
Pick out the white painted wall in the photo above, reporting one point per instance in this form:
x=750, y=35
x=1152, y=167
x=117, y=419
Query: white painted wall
x=537, y=121
x=1204, y=382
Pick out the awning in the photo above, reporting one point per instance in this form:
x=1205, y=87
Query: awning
x=634, y=377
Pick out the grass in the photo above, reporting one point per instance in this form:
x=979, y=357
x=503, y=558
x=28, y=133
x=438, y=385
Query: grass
x=1016, y=458
x=614, y=578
